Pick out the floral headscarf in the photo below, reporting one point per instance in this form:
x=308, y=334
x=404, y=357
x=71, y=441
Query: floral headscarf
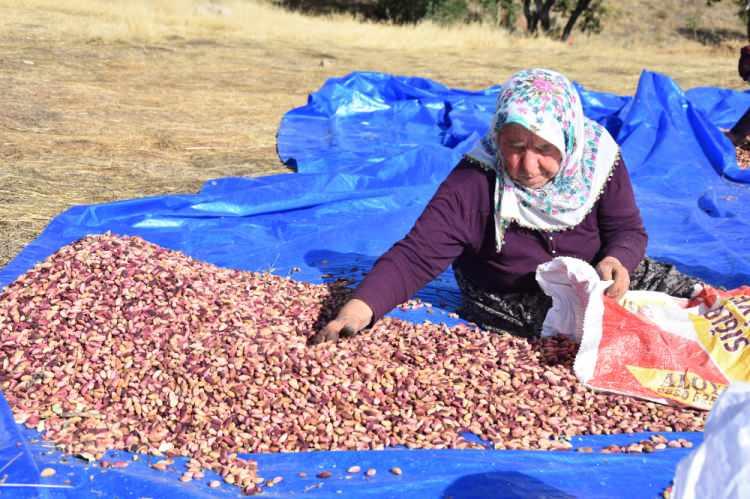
x=546, y=103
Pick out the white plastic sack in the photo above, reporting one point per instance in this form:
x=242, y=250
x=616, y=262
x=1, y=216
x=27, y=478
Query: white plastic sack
x=576, y=291
x=720, y=467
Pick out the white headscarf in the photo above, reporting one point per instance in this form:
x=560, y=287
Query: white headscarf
x=547, y=104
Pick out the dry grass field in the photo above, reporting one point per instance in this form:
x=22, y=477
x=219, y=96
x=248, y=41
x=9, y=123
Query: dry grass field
x=103, y=100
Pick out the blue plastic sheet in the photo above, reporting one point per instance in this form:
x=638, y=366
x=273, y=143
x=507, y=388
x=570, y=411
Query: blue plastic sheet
x=369, y=150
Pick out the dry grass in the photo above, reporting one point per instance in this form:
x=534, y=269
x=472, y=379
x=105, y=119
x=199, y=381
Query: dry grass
x=646, y=23
x=114, y=100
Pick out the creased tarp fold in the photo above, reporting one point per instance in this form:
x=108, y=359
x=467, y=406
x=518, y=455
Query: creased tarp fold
x=369, y=150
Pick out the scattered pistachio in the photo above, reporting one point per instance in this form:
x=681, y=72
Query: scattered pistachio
x=160, y=465
x=144, y=345
x=47, y=472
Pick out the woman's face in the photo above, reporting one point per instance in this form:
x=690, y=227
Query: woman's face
x=530, y=160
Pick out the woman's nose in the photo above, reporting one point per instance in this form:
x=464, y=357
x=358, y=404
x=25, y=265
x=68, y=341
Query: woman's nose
x=530, y=164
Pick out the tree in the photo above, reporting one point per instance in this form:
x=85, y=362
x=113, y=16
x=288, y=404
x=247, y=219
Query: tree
x=542, y=15
x=555, y=18
x=403, y=12
x=506, y=12
x=592, y=11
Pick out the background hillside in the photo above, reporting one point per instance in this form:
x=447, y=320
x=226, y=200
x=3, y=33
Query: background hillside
x=627, y=21
x=672, y=21
x=110, y=100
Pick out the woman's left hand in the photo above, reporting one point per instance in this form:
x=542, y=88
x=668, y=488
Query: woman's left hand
x=610, y=269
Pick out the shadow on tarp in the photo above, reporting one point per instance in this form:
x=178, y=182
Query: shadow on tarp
x=353, y=267
x=482, y=473
x=502, y=485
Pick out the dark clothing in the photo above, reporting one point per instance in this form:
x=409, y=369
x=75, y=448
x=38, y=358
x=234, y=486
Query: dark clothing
x=743, y=65
x=457, y=227
x=741, y=130
x=523, y=313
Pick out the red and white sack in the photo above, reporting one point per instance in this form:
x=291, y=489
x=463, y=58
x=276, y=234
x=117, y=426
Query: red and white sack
x=649, y=344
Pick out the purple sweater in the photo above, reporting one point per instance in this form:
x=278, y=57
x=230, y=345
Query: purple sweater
x=457, y=227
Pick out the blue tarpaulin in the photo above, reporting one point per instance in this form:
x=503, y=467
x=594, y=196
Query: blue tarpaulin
x=369, y=150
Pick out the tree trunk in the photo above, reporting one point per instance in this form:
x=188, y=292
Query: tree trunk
x=531, y=17
x=581, y=6
x=544, y=11
x=538, y=7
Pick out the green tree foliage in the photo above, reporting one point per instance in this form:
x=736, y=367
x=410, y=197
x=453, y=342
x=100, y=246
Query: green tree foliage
x=588, y=13
x=555, y=18
x=403, y=11
x=507, y=13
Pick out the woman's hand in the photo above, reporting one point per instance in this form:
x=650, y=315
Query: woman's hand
x=354, y=316
x=610, y=269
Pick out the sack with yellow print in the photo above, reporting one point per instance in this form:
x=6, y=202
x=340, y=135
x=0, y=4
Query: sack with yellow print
x=649, y=344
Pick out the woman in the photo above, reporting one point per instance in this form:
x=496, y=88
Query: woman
x=544, y=182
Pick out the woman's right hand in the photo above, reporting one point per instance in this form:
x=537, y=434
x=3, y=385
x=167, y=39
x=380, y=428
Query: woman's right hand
x=353, y=317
